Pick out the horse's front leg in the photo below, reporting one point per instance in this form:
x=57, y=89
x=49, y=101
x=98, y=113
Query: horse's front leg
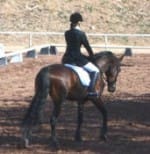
x=100, y=105
x=79, y=121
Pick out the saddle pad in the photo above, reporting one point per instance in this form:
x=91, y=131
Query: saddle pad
x=83, y=75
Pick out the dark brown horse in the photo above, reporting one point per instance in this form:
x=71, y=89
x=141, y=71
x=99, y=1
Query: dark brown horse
x=62, y=83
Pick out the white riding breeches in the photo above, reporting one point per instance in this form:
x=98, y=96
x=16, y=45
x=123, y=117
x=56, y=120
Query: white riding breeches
x=90, y=67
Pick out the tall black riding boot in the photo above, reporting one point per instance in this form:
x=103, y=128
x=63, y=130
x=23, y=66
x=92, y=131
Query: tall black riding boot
x=91, y=89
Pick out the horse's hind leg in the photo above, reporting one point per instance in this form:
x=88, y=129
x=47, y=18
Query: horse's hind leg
x=53, y=122
x=32, y=116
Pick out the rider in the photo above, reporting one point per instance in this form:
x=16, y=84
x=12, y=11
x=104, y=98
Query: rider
x=74, y=39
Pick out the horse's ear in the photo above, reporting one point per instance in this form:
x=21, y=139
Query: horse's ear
x=128, y=52
x=121, y=57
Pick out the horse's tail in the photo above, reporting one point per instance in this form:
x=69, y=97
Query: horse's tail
x=42, y=84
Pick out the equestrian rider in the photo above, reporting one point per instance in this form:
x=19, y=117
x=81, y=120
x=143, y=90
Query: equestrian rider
x=75, y=38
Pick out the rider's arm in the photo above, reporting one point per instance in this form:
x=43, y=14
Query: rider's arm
x=86, y=44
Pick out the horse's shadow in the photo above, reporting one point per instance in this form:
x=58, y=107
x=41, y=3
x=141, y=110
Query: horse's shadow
x=129, y=112
x=136, y=109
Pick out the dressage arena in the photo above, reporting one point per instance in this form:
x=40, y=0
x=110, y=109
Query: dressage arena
x=128, y=112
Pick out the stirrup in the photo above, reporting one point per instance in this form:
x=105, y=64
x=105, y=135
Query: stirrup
x=92, y=94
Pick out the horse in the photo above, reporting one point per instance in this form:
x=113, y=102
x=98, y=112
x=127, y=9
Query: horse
x=61, y=83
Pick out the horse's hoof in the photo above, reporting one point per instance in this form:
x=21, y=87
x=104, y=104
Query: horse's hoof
x=78, y=138
x=103, y=138
x=23, y=144
x=26, y=143
x=55, y=143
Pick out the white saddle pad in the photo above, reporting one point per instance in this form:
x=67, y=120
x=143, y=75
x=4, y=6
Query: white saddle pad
x=83, y=75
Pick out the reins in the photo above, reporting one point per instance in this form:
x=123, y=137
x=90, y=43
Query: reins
x=103, y=76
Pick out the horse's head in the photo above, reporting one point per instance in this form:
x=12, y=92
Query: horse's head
x=109, y=64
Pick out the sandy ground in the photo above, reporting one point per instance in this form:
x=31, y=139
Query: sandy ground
x=128, y=112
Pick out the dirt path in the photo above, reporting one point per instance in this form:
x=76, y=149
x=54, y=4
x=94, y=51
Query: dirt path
x=128, y=112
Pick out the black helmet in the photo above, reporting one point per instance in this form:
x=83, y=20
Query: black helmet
x=75, y=17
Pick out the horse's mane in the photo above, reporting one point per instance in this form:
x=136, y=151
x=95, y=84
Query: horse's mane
x=103, y=54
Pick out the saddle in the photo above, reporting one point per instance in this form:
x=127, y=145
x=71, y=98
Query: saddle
x=82, y=74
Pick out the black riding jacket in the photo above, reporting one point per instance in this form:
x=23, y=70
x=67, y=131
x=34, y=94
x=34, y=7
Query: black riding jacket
x=75, y=38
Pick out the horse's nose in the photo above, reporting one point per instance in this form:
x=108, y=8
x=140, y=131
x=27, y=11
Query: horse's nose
x=112, y=87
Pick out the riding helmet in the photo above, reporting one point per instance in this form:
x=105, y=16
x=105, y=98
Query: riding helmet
x=75, y=17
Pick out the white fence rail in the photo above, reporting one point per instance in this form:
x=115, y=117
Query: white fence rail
x=17, y=56
x=97, y=35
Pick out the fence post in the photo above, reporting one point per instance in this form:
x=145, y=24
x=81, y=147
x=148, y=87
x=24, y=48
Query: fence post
x=106, y=41
x=30, y=39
